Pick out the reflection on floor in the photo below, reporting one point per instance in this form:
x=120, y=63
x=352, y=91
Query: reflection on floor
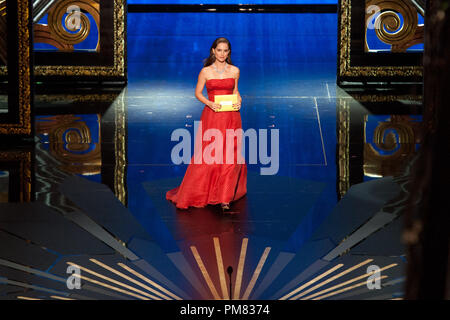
x=86, y=205
x=315, y=230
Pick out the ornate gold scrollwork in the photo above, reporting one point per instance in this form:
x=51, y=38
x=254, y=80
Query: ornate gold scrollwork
x=375, y=163
x=345, y=67
x=76, y=98
x=388, y=26
x=70, y=141
x=119, y=43
x=42, y=34
x=58, y=31
x=401, y=133
x=23, y=125
x=118, y=69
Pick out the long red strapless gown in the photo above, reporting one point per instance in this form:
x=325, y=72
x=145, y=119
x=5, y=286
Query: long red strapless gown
x=213, y=183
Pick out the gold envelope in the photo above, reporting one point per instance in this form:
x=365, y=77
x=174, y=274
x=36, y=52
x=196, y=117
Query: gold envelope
x=226, y=101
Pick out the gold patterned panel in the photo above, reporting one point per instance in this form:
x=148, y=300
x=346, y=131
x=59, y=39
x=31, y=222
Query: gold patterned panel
x=388, y=26
x=385, y=98
x=23, y=125
x=343, y=140
x=345, y=62
x=69, y=142
x=377, y=164
x=76, y=98
x=120, y=135
x=118, y=69
x=119, y=44
x=120, y=140
x=42, y=34
x=374, y=163
x=54, y=33
x=55, y=30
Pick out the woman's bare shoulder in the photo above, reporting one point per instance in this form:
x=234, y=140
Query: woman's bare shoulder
x=206, y=71
x=235, y=70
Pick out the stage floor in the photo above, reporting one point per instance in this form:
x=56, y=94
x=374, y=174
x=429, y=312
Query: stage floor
x=314, y=230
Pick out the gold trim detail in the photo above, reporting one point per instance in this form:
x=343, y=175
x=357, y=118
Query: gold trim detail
x=69, y=141
x=388, y=26
x=400, y=147
x=24, y=157
x=343, y=140
x=384, y=98
x=118, y=69
x=345, y=68
x=120, y=136
x=76, y=98
x=56, y=13
x=23, y=127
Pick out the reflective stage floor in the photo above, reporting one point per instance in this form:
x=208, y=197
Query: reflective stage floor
x=91, y=192
x=312, y=230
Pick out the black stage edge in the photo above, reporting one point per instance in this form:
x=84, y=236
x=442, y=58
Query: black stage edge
x=229, y=310
x=242, y=8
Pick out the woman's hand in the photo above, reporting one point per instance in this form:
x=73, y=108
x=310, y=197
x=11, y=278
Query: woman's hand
x=214, y=106
x=237, y=106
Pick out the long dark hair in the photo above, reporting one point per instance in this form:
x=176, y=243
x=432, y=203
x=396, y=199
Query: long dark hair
x=210, y=60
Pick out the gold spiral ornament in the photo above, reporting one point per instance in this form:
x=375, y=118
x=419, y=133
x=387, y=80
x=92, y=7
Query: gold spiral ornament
x=398, y=137
x=71, y=143
x=60, y=29
x=386, y=139
x=390, y=20
x=85, y=24
x=388, y=26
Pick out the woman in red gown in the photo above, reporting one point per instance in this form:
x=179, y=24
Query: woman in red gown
x=215, y=183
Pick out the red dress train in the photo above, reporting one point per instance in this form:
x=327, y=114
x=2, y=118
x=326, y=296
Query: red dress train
x=214, y=183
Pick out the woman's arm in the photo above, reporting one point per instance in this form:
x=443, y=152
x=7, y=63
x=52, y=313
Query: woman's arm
x=199, y=90
x=236, y=90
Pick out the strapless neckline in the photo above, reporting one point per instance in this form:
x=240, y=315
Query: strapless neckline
x=220, y=79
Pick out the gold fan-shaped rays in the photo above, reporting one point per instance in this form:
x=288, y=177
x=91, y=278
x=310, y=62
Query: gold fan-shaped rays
x=238, y=280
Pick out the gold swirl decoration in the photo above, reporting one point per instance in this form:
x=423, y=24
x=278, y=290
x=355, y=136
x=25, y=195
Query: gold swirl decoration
x=384, y=138
x=389, y=27
x=70, y=140
x=42, y=34
x=119, y=43
x=117, y=69
x=388, y=141
x=59, y=30
x=345, y=67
